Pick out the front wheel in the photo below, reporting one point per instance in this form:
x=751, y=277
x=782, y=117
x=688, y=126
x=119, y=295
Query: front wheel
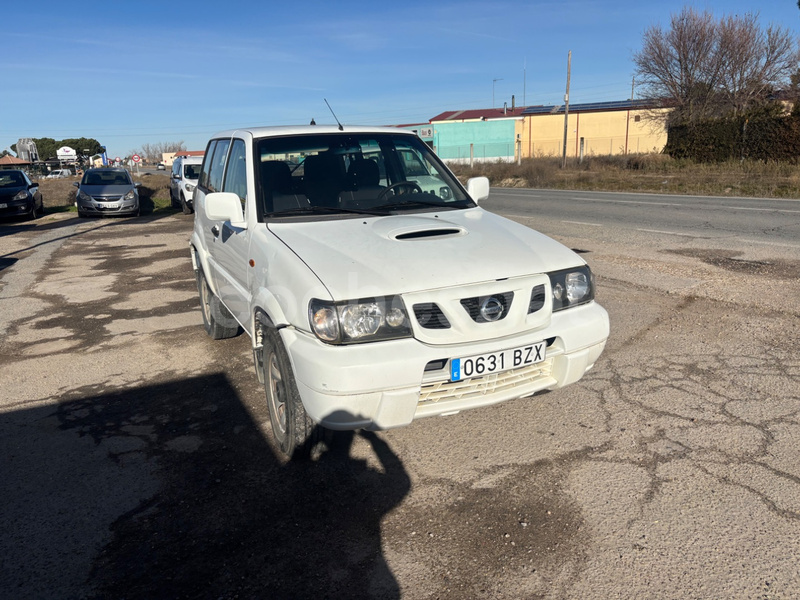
x=217, y=320
x=295, y=433
x=187, y=210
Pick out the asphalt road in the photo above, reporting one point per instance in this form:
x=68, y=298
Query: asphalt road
x=136, y=460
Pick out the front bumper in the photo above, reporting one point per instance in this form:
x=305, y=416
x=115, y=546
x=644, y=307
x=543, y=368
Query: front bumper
x=108, y=207
x=385, y=384
x=16, y=208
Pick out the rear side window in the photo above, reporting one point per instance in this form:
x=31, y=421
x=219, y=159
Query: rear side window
x=217, y=166
x=203, y=179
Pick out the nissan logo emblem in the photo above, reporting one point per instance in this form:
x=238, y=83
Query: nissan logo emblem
x=492, y=309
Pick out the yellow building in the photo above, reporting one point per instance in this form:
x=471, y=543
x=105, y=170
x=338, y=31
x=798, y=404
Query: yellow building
x=599, y=128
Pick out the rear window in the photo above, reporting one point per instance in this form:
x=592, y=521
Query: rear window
x=106, y=178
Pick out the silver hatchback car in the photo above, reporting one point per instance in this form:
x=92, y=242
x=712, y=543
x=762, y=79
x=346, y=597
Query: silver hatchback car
x=107, y=191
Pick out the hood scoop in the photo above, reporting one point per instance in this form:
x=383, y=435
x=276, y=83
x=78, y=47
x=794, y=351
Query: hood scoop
x=405, y=228
x=429, y=233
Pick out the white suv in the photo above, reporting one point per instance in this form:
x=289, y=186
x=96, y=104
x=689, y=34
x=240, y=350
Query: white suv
x=183, y=180
x=371, y=302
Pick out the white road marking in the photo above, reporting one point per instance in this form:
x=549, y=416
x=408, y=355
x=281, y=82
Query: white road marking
x=668, y=232
x=582, y=223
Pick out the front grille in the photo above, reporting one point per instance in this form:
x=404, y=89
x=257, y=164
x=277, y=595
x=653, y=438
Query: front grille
x=473, y=306
x=537, y=299
x=430, y=316
x=480, y=387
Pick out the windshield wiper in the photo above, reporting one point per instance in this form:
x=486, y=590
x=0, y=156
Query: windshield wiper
x=310, y=210
x=412, y=203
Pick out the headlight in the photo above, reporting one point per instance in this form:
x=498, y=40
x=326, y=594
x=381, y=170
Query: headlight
x=572, y=287
x=130, y=195
x=21, y=195
x=84, y=196
x=353, y=321
x=189, y=187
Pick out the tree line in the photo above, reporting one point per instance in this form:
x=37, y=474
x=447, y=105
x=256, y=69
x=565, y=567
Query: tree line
x=730, y=85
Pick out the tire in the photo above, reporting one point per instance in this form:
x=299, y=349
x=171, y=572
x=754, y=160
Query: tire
x=34, y=213
x=187, y=210
x=172, y=202
x=296, y=435
x=217, y=320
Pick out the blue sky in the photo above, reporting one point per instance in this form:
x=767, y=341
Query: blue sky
x=145, y=72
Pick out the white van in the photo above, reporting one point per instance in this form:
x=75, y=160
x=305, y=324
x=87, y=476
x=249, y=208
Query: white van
x=183, y=180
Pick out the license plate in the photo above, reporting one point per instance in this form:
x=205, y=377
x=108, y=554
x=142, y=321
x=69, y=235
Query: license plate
x=3, y=205
x=107, y=204
x=494, y=362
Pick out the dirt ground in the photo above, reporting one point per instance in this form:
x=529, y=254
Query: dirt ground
x=137, y=459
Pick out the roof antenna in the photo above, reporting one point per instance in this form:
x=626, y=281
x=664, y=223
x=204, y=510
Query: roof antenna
x=313, y=122
x=334, y=116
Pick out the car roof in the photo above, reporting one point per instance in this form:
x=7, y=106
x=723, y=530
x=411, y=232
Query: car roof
x=190, y=159
x=107, y=169
x=284, y=130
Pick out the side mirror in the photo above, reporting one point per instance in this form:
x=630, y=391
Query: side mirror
x=137, y=184
x=77, y=183
x=478, y=188
x=225, y=206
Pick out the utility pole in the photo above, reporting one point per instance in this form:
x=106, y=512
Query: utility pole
x=524, y=82
x=633, y=83
x=566, y=112
x=493, y=82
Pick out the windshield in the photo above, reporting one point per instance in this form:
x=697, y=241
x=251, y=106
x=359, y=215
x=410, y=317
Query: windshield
x=191, y=171
x=11, y=179
x=108, y=177
x=377, y=173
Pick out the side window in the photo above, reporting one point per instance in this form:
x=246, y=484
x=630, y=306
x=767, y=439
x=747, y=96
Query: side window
x=236, y=173
x=176, y=166
x=217, y=169
x=203, y=180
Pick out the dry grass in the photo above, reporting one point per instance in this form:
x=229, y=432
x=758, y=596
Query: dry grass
x=654, y=173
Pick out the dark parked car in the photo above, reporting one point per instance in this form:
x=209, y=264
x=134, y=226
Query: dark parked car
x=19, y=196
x=107, y=191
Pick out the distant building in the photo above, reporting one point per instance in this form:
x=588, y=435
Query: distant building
x=169, y=157
x=506, y=134
x=12, y=162
x=487, y=134
x=596, y=128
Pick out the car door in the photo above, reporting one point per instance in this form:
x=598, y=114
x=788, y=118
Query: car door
x=210, y=181
x=174, y=179
x=231, y=246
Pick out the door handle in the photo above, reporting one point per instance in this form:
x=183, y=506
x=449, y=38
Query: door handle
x=215, y=230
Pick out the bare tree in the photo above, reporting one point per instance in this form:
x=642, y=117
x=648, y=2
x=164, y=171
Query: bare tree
x=153, y=152
x=757, y=61
x=680, y=65
x=704, y=67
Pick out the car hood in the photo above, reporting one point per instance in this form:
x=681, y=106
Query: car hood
x=106, y=190
x=10, y=192
x=377, y=256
